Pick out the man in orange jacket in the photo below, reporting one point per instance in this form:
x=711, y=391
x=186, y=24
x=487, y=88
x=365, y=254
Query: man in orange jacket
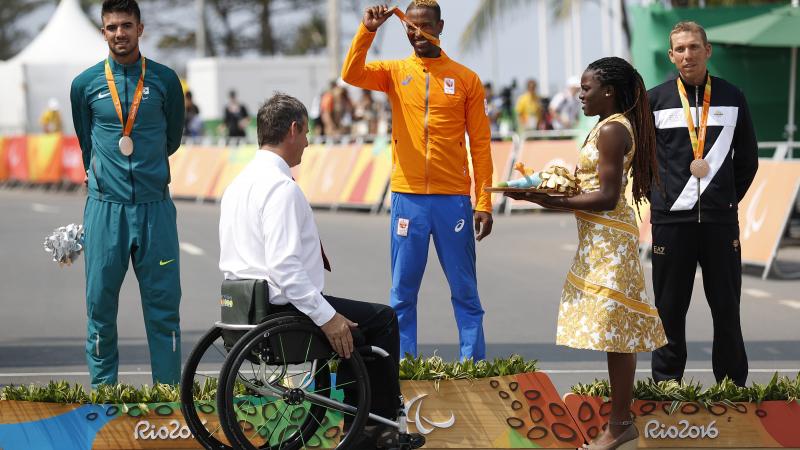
x=435, y=101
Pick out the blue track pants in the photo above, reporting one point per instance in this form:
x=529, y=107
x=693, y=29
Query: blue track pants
x=448, y=218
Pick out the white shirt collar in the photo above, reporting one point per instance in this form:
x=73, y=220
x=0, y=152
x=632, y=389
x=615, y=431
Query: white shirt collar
x=264, y=156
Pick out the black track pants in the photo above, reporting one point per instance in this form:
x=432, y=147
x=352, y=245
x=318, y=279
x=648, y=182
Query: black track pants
x=677, y=249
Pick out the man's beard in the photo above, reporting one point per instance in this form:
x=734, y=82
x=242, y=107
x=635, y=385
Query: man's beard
x=124, y=52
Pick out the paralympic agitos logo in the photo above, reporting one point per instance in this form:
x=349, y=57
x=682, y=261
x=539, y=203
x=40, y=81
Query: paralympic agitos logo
x=419, y=420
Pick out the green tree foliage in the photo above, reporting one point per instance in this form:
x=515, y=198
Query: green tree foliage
x=13, y=35
x=233, y=27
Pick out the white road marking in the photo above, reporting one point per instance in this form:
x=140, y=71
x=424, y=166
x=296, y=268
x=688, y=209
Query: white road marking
x=45, y=209
x=569, y=247
x=757, y=293
x=790, y=303
x=191, y=249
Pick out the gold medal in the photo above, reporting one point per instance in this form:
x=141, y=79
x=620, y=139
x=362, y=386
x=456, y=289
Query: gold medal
x=126, y=145
x=699, y=168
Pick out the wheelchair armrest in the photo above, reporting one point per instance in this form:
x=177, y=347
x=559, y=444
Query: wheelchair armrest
x=372, y=350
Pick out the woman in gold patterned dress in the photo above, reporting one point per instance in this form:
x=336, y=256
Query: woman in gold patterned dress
x=604, y=304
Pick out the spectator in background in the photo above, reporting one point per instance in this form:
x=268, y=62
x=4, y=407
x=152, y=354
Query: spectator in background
x=336, y=111
x=493, y=106
x=565, y=107
x=365, y=115
x=326, y=109
x=529, y=108
x=342, y=110
x=193, y=125
x=51, y=117
x=507, y=120
x=236, y=118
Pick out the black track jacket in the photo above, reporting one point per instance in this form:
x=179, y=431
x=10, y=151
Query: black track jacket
x=730, y=149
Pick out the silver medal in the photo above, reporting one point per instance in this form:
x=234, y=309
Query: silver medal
x=126, y=145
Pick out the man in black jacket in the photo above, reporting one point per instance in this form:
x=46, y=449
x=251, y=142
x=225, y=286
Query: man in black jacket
x=707, y=157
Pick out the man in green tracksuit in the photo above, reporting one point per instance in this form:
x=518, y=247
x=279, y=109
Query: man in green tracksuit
x=128, y=113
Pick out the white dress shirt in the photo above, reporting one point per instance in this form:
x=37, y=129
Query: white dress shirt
x=267, y=231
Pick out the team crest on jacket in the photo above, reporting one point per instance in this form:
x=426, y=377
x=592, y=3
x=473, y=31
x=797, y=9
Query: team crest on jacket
x=449, y=86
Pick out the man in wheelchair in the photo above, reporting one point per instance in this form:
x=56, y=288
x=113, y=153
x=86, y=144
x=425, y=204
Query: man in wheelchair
x=267, y=232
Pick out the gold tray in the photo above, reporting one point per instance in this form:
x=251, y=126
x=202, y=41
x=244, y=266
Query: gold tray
x=547, y=192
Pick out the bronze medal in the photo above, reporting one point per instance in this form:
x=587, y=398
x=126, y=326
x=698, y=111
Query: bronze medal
x=126, y=145
x=699, y=168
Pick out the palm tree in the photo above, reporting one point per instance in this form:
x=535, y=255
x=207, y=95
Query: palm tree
x=490, y=11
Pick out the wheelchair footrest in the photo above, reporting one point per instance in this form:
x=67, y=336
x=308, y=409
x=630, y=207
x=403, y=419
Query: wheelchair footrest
x=410, y=441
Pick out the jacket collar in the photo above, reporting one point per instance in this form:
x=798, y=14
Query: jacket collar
x=117, y=67
x=687, y=85
x=428, y=62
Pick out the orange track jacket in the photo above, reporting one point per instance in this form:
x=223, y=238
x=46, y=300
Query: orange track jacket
x=434, y=102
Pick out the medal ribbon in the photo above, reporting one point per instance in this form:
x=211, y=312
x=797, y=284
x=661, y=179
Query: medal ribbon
x=127, y=127
x=698, y=142
x=403, y=18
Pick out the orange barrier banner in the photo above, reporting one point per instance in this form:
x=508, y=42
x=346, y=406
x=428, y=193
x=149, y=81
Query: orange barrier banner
x=175, y=160
x=369, y=177
x=3, y=160
x=197, y=171
x=309, y=166
x=238, y=158
x=765, y=210
x=72, y=160
x=17, y=157
x=330, y=174
x=539, y=155
x=44, y=158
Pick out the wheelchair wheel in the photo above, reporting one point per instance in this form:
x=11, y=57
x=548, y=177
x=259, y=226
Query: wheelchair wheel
x=276, y=392
x=200, y=381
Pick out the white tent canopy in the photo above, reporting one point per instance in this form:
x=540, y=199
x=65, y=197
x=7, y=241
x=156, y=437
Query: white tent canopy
x=67, y=45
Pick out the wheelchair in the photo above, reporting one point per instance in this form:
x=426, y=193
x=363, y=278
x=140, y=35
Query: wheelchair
x=280, y=387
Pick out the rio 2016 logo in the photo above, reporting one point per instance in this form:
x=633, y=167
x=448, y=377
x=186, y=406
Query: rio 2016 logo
x=144, y=430
x=684, y=430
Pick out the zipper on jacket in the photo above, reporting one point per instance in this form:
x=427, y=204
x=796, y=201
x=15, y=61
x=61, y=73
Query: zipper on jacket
x=427, y=132
x=697, y=129
x=130, y=163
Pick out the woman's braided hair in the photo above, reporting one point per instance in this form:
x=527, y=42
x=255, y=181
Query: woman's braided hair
x=631, y=99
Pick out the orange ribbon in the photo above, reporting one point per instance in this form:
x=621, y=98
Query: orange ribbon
x=127, y=127
x=403, y=18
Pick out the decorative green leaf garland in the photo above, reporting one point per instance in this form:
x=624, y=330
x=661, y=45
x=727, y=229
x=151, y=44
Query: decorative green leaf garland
x=426, y=369
x=778, y=388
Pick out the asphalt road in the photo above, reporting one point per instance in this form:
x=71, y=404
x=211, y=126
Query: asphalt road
x=521, y=269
